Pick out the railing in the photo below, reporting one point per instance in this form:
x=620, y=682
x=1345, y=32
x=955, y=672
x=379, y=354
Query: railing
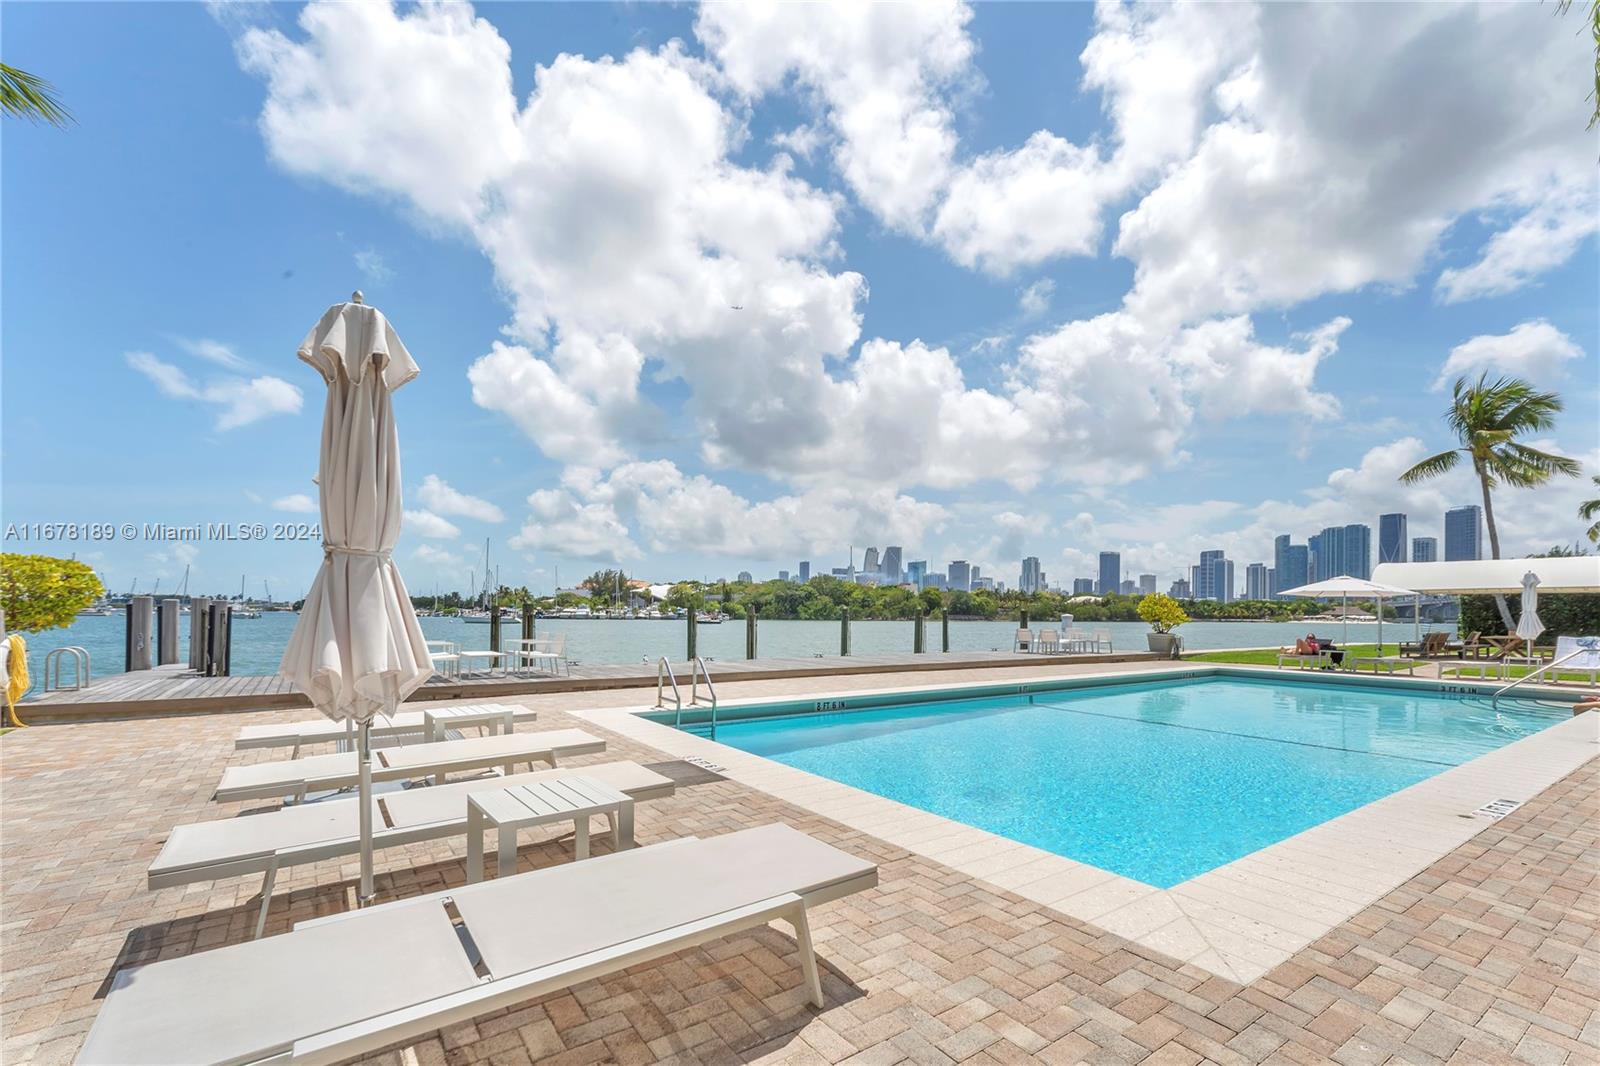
x=80, y=668
x=1494, y=701
x=663, y=675
x=696, y=669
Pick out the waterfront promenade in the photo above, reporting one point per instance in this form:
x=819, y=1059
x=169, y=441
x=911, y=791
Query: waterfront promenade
x=169, y=690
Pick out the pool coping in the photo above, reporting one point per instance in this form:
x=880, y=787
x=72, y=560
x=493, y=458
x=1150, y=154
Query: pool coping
x=1238, y=920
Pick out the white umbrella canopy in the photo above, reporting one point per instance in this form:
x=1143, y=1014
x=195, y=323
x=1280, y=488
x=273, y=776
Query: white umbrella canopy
x=1344, y=588
x=357, y=649
x=1529, y=626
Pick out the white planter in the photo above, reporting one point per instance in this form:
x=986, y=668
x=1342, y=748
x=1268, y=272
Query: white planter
x=1162, y=643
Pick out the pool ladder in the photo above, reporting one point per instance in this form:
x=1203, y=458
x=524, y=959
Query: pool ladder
x=697, y=670
x=1494, y=700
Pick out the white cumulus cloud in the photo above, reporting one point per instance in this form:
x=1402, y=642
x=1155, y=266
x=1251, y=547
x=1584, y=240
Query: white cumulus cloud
x=437, y=495
x=238, y=401
x=1534, y=350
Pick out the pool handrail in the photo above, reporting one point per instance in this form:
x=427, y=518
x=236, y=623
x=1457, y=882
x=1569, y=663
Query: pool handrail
x=1494, y=701
x=664, y=674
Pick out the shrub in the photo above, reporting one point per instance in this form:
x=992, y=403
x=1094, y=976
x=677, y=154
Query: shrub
x=40, y=592
x=1563, y=614
x=1162, y=612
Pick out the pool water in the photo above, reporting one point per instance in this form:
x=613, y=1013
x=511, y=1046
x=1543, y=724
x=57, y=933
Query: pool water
x=1155, y=781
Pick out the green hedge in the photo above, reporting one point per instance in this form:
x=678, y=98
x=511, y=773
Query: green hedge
x=1574, y=614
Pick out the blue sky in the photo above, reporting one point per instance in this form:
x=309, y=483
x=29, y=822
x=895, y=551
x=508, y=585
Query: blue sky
x=703, y=291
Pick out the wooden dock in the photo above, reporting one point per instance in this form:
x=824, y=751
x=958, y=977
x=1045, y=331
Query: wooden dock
x=176, y=690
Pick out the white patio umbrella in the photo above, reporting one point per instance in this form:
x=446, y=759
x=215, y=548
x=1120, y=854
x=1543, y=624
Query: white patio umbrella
x=357, y=650
x=1344, y=588
x=1529, y=626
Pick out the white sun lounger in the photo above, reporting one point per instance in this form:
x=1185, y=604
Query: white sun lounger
x=266, y=843
x=326, y=731
x=318, y=773
x=337, y=988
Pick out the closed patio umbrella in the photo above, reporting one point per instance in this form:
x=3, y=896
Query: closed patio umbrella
x=1529, y=626
x=357, y=650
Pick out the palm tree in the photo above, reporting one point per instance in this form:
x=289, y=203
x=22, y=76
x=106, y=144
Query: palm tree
x=24, y=95
x=1589, y=511
x=1487, y=417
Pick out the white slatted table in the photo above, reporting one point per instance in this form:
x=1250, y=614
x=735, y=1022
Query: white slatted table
x=575, y=799
x=494, y=717
x=493, y=658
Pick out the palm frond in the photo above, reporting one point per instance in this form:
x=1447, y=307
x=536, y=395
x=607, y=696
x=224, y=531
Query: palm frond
x=24, y=95
x=1432, y=467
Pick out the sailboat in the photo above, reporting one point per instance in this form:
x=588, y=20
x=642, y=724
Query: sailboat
x=242, y=608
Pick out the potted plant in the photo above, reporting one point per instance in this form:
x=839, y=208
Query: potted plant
x=1164, y=615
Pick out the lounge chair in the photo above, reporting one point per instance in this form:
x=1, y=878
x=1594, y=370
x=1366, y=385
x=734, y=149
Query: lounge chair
x=266, y=843
x=1304, y=658
x=326, y=731
x=340, y=987
x=319, y=773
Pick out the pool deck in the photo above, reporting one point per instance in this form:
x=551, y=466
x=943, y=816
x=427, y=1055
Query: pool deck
x=177, y=690
x=1485, y=952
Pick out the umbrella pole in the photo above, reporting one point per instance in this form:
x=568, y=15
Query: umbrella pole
x=364, y=757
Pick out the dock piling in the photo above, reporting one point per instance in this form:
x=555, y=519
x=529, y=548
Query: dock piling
x=136, y=643
x=944, y=624
x=844, y=631
x=919, y=636
x=199, y=625
x=167, y=632
x=749, y=632
x=693, y=636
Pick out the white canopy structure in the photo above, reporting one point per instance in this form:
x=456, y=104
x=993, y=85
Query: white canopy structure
x=1581, y=574
x=1344, y=588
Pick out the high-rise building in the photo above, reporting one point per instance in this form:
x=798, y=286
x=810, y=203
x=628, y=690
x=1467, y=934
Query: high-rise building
x=917, y=573
x=1130, y=587
x=1424, y=549
x=869, y=561
x=1392, y=538
x=1213, y=578
x=891, y=565
x=1463, y=533
x=982, y=583
x=744, y=575
x=805, y=571
x=960, y=575
x=1147, y=584
x=977, y=575
x=1083, y=586
x=1030, y=581
x=1272, y=583
x=1358, y=550
x=1341, y=551
x=783, y=575
x=1110, y=573
x=934, y=580
x=1291, y=564
x=1256, y=585
x=1180, y=590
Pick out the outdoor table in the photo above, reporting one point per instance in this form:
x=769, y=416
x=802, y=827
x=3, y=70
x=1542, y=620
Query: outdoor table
x=573, y=799
x=494, y=657
x=445, y=663
x=1389, y=663
x=496, y=718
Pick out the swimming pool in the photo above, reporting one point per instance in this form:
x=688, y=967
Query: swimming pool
x=1157, y=781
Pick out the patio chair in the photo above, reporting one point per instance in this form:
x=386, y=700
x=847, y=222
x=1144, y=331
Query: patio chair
x=341, y=987
x=1102, y=641
x=328, y=773
x=204, y=852
x=544, y=653
x=1049, y=641
x=1023, y=641
x=1431, y=646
